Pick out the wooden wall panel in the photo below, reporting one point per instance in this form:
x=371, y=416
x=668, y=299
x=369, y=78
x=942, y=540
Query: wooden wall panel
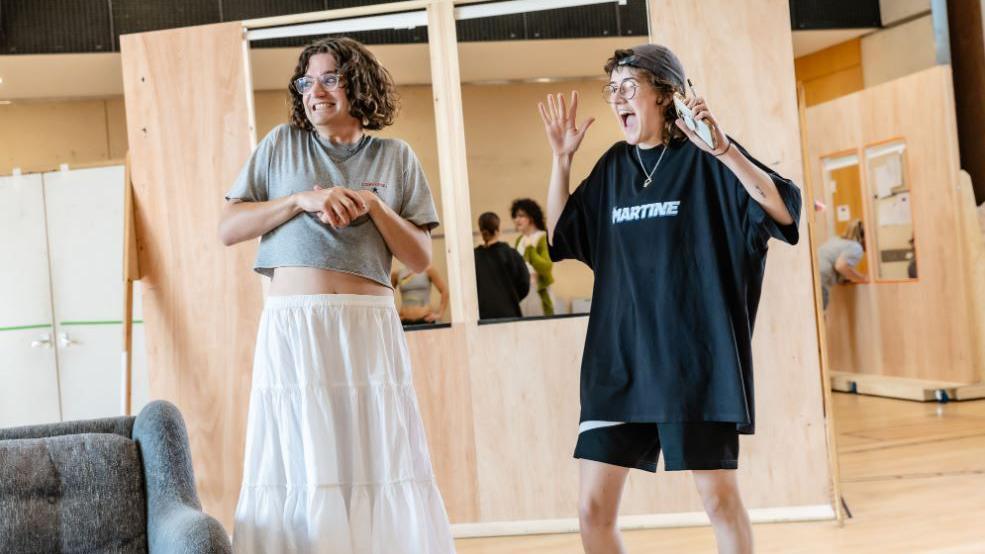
x=742, y=62
x=443, y=385
x=851, y=317
x=38, y=136
x=831, y=73
x=918, y=329
x=898, y=51
x=974, y=251
x=116, y=127
x=924, y=328
x=189, y=134
x=834, y=85
x=842, y=56
x=525, y=383
x=525, y=390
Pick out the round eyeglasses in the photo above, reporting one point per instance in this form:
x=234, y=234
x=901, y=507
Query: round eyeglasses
x=627, y=89
x=328, y=81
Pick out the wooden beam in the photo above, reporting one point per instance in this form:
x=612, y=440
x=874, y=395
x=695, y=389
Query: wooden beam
x=919, y=390
x=131, y=273
x=973, y=246
x=822, y=340
x=970, y=392
x=446, y=87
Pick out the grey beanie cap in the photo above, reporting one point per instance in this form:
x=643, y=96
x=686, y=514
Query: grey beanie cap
x=658, y=60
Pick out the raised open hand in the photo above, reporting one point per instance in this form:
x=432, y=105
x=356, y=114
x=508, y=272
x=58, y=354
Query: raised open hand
x=562, y=132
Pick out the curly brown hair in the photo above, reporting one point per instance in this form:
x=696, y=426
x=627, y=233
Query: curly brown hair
x=368, y=85
x=665, y=95
x=530, y=207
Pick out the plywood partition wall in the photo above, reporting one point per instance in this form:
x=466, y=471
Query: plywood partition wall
x=740, y=57
x=188, y=121
x=921, y=329
x=499, y=402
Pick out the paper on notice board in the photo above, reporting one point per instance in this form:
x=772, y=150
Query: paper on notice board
x=895, y=211
x=888, y=175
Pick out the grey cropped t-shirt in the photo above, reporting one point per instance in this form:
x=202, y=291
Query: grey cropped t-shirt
x=290, y=160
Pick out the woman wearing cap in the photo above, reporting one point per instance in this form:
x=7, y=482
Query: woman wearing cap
x=676, y=233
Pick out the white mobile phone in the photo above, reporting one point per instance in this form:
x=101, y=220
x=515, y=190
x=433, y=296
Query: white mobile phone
x=699, y=127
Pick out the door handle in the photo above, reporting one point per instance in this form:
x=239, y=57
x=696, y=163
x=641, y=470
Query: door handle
x=65, y=341
x=43, y=342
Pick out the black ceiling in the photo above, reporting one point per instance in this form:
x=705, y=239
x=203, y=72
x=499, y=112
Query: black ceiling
x=59, y=26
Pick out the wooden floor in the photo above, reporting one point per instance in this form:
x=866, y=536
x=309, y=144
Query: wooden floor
x=913, y=476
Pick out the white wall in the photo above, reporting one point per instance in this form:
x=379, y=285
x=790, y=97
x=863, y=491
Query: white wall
x=895, y=10
x=901, y=48
x=898, y=51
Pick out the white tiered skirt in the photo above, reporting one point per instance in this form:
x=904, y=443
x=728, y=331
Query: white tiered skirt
x=336, y=455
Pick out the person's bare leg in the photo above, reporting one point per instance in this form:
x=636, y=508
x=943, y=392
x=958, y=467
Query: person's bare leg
x=719, y=490
x=598, y=506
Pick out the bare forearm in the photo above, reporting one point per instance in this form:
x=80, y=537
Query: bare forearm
x=443, y=305
x=248, y=220
x=557, y=191
x=849, y=272
x=856, y=276
x=408, y=242
x=758, y=184
x=442, y=287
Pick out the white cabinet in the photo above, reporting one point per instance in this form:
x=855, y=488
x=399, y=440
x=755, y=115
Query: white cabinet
x=28, y=369
x=80, y=268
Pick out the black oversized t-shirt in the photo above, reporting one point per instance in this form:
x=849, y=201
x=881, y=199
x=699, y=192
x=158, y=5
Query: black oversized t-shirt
x=678, y=274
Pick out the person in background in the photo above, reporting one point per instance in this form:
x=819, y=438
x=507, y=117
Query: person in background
x=911, y=267
x=838, y=258
x=501, y=276
x=532, y=245
x=415, y=295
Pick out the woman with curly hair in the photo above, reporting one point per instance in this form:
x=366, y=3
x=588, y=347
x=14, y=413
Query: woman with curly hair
x=528, y=219
x=336, y=456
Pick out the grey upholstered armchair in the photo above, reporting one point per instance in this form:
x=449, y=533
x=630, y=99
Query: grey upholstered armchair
x=120, y=484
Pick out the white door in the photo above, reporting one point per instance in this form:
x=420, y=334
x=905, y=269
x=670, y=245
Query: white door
x=85, y=229
x=28, y=368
